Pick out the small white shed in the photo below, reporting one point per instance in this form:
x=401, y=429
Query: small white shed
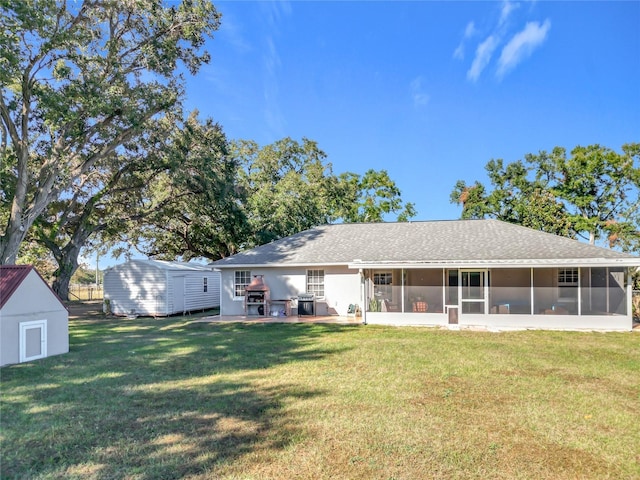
x=160, y=288
x=34, y=323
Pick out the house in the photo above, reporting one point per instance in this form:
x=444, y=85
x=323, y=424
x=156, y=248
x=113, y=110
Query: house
x=460, y=273
x=34, y=323
x=159, y=288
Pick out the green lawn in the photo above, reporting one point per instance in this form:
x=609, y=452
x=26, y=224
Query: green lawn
x=166, y=398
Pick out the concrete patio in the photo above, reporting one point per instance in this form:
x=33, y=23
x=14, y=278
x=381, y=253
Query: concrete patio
x=334, y=319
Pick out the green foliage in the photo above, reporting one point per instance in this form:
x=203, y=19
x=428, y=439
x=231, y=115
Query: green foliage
x=289, y=187
x=84, y=276
x=77, y=82
x=193, y=206
x=36, y=254
x=372, y=197
x=593, y=194
x=599, y=188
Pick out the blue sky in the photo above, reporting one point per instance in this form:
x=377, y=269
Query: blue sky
x=429, y=91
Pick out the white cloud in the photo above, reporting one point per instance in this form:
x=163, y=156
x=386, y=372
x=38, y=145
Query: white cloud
x=274, y=14
x=483, y=56
x=522, y=45
x=459, y=52
x=469, y=32
x=232, y=31
x=271, y=57
x=273, y=115
x=507, y=8
x=420, y=98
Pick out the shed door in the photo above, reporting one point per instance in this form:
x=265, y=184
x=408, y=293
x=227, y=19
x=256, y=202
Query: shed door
x=33, y=340
x=178, y=294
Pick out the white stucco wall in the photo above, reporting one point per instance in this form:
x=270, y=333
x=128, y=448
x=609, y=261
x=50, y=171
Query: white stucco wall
x=341, y=286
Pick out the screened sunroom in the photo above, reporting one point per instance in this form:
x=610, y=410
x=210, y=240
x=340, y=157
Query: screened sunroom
x=447, y=295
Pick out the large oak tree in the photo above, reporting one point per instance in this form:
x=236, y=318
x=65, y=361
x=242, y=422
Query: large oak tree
x=193, y=207
x=78, y=81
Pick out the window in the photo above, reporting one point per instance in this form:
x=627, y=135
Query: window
x=567, y=283
x=382, y=284
x=315, y=282
x=204, y=284
x=241, y=280
x=567, y=276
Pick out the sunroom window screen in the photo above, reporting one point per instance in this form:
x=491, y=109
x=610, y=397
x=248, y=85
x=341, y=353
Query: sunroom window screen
x=568, y=283
x=383, y=282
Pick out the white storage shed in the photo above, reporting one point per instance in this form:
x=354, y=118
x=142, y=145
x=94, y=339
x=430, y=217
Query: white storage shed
x=160, y=288
x=34, y=323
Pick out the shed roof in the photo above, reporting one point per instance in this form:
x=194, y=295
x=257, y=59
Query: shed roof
x=451, y=242
x=12, y=276
x=164, y=265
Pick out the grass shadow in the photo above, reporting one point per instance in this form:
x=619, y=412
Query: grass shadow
x=154, y=398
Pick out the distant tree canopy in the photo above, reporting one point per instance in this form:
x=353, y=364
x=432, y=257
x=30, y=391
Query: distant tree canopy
x=230, y=196
x=289, y=187
x=593, y=194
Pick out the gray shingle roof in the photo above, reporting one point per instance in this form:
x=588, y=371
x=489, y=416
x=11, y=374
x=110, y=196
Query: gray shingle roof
x=434, y=242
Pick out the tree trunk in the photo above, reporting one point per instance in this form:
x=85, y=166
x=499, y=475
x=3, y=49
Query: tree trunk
x=67, y=259
x=63, y=277
x=9, y=244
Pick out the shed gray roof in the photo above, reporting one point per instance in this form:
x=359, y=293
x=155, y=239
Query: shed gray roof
x=163, y=265
x=452, y=242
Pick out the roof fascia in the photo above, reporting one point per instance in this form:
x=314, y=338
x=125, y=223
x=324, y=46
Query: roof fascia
x=539, y=263
x=279, y=265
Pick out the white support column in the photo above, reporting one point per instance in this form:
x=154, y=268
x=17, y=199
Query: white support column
x=579, y=291
x=607, y=286
x=363, y=289
x=444, y=290
x=532, y=293
x=629, y=288
x=486, y=291
x=402, y=290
